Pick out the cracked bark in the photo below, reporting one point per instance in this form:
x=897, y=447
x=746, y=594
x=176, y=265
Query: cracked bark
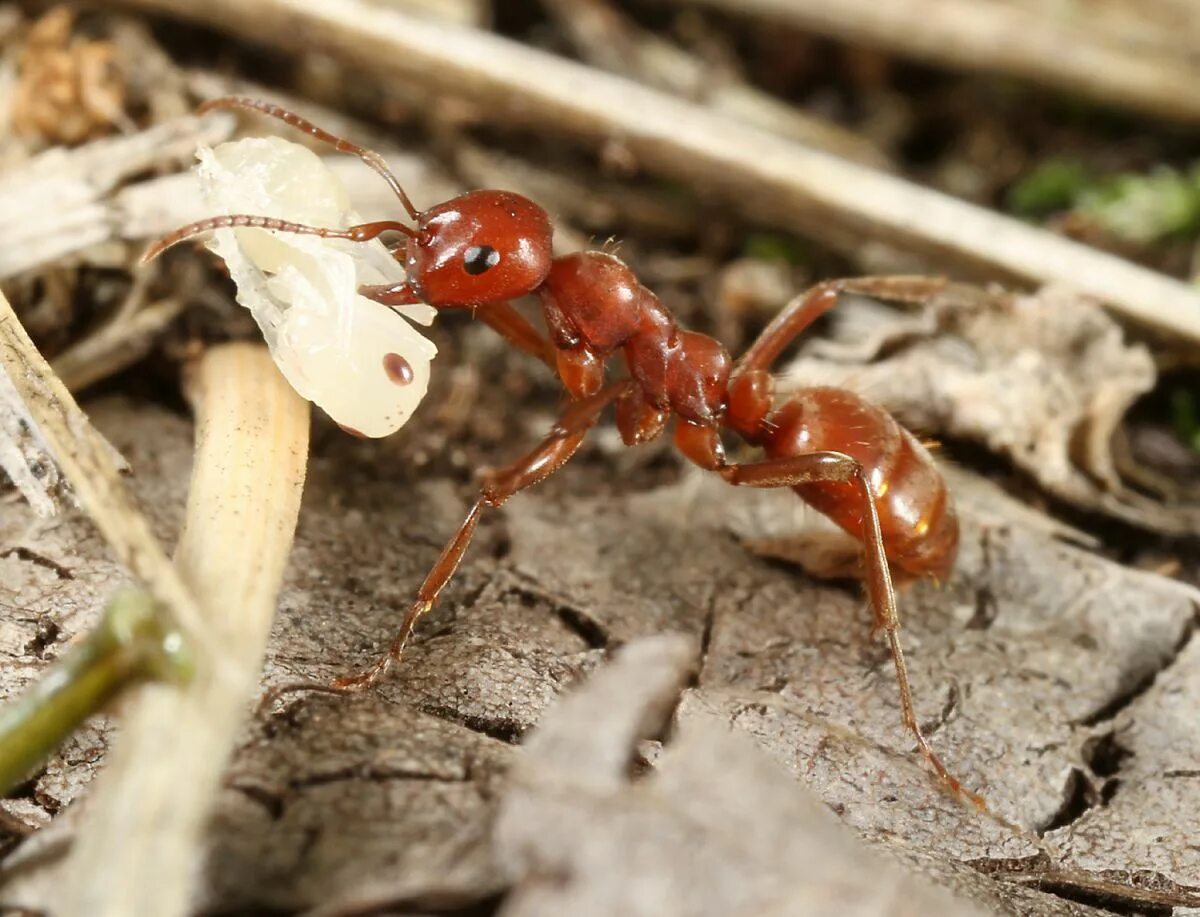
x=389, y=802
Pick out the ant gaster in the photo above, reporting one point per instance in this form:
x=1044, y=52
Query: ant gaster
x=844, y=456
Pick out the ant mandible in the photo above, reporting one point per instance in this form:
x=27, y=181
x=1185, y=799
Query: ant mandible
x=844, y=456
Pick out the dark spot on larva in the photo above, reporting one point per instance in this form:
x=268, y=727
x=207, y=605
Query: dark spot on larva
x=398, y=369
x=352, y=431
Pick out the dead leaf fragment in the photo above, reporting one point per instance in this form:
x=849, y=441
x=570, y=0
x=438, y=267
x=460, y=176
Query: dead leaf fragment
x=69, y=89
x=1044, y=380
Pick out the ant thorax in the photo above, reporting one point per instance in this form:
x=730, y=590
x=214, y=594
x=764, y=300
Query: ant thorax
x=363, y=363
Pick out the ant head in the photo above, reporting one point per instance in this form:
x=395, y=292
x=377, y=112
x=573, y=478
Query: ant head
x=480, y=247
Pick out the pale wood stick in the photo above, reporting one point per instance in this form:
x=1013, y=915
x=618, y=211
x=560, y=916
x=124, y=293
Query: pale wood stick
x=606, y=38
x=839, y=203
x=141, y=843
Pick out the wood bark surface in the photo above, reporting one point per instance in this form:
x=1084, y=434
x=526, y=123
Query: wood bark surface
x=1056, y=682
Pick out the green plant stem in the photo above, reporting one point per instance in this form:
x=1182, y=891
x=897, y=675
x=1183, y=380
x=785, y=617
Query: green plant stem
x=133, y=642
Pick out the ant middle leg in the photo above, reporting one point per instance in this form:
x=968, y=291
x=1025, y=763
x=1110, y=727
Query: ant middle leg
x=547, y=457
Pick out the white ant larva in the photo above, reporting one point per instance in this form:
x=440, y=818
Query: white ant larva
x=363, y=363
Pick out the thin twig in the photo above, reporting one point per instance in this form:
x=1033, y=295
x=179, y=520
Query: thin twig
x=996, y=37
x=606, y=38
x=116, y=346
x=128, y=335
x=140, y=846
x=837, y=202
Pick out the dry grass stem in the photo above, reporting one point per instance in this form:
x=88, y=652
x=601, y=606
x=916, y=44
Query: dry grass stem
x=1039, y=45
x=89, y=464
x=140, y=846
x=55, y=205
x=776, y=180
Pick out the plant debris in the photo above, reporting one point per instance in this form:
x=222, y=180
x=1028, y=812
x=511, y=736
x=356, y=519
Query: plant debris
x=625, y=700
x=1043, y=380
x=69, y=88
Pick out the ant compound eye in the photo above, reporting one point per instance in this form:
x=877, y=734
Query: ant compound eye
x=479, y=258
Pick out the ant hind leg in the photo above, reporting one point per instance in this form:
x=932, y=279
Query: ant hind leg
x=830, y=467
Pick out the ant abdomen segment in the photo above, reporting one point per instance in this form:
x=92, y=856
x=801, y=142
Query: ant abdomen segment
x=916, y=516
x=846, y=457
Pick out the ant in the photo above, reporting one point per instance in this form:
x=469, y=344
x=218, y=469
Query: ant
x=844, y=456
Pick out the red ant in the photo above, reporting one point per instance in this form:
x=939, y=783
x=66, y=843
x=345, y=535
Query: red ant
x=844, y=456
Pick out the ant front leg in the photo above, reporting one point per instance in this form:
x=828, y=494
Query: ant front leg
x=702, y=445
x=551, y=454
x=511, y=325
x=390, y=294
x=501, y=317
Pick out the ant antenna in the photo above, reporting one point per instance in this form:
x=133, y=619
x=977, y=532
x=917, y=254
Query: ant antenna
x=370, y=157
x=363, y=232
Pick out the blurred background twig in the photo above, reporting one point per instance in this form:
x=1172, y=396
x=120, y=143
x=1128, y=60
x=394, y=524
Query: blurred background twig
x=1102, y=52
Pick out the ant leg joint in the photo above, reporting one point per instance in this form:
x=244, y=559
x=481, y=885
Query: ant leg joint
x=493, y=496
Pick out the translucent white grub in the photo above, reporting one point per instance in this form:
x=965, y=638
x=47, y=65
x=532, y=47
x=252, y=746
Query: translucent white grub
x=362, y=363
